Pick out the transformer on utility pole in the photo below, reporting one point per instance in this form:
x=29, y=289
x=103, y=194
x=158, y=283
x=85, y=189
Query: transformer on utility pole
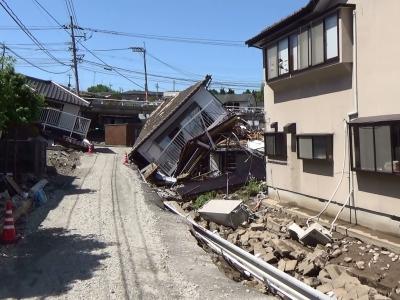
x=143, y=50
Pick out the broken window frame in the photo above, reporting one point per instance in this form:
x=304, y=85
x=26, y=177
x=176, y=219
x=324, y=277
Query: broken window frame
x=357, y=150
x=327, y=140
x=279, y=147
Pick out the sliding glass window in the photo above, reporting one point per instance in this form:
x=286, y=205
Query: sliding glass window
x=331, y=37
x=309, y=46
x=317, y=44
x=283, y=56
x=272, y=60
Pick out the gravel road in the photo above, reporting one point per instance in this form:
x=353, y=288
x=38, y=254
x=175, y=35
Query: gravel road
x=102, y=236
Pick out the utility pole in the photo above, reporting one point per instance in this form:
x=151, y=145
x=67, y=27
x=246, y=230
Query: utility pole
x=3, y=56
x=143, y=50
x=157, y=86
x=173, y=85
x=69, y=81
x=74, y=56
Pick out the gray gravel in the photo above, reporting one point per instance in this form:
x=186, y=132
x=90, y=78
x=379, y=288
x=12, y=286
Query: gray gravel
x=104, y=237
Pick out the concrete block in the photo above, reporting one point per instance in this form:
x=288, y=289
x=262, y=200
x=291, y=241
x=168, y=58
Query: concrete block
x=282, y=265
x=224, y=212
x=316, y=234
x=325, y=288
x=290, y=265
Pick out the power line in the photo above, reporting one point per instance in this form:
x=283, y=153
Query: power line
x=214, y=42
x=107, y=65
x=32, y=64
x=11, y=13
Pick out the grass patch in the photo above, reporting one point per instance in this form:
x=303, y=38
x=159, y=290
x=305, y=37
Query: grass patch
x=203, y=199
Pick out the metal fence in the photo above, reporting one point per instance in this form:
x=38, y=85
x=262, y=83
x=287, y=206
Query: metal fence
x=65, y=121
x=199, y=121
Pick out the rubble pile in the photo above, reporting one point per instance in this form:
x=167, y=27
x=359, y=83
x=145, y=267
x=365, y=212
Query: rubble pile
x=22, y=198
x=63, y=161
x=346, y=267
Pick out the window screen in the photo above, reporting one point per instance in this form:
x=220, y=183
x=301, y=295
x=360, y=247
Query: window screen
x=317, y=43
x=305, y=148
x=272, y=59
x=275, y=145
x=320, y=147
x=293, y=52
x=303, y=49
x=331, y=36
x=367, y=153
x=383, y=149
x=283, y=56
x=396, y=148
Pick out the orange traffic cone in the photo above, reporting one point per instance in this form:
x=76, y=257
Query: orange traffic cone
x=126, y=160
x=9, y=235
x=90, y=149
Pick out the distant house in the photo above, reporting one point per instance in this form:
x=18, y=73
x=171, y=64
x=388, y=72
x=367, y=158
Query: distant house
x=245, y=106
x=140, y=95
x=333, y=110
x=62, y=114
x=237, y=100
x=174, y=123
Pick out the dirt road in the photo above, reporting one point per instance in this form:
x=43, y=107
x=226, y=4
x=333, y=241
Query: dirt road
x=102, y=236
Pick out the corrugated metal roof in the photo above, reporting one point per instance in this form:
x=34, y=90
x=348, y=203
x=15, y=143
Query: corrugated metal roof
x=165, y=110
x=54, y=92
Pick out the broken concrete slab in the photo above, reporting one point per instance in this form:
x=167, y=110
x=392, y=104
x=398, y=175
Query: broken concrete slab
x=281, y=247
x=230, y=213
x=334, y=271
x=316, y=234
x=282, y=265
x=325, y=288
x=269, y=258
x=295, y=231
x=290, y=265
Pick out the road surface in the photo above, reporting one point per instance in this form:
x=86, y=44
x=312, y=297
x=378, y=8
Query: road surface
x=102, y=236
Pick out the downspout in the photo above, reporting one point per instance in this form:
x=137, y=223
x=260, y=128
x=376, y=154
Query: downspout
x=354, y=114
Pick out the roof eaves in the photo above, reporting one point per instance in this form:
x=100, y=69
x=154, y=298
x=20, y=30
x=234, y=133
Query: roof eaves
x=282, y=23
x=85, y=103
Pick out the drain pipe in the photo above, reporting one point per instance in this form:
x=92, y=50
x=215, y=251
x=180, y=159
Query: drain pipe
x=354, y=114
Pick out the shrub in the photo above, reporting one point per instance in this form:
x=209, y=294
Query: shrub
x=203, y=199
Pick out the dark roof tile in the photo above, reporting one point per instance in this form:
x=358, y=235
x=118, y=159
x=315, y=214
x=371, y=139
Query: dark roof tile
x=53, y=91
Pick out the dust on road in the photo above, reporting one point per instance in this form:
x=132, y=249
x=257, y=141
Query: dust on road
x=102, y=237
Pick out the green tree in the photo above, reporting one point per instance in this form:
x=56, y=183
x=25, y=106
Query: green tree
x=19, y=104
x=247, y=91
x=230, y=91
x=100, y=88
x=222, y=91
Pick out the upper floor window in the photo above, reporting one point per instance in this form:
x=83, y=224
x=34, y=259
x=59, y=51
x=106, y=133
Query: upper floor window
x=312, y=45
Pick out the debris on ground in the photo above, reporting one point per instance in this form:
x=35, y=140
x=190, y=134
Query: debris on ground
x=230, y=213
x=343, y=266
x=62, y=161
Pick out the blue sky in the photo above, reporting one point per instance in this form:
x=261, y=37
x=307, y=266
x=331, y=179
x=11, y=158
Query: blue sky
x=218, y=20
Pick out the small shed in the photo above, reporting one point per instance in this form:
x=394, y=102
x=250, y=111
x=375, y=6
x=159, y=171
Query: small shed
x=121, y=134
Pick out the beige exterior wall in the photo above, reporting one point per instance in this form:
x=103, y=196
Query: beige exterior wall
x=319, y=101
